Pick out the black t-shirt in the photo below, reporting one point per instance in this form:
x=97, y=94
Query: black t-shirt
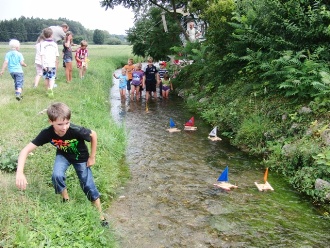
x=72, y=145
x=150, y=73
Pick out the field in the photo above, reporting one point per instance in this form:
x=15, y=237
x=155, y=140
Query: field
x=36, y=217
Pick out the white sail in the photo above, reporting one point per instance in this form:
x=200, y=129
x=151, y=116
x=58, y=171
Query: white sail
x=213, y=133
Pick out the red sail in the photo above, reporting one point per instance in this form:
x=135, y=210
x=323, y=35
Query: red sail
x=191, y=122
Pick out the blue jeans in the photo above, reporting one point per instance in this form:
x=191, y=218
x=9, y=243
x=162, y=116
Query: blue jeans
x=84, y=174
x=18, y=79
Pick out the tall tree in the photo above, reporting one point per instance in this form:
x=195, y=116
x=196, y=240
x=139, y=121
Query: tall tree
x=98, y=37
x=141, y=6
x=148, y=36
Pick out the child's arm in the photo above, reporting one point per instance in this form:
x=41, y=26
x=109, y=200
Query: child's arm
x=23, y=64
x=144, y=81
x=157, y=78
x=4, y=67
x=77, y=56
x=91, y=159
x=114, y=75
x=21, y=181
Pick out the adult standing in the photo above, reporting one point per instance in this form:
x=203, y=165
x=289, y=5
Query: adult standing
x=59, y=32
x=192, y=32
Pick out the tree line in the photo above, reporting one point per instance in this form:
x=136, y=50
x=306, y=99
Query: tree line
x=28, y=29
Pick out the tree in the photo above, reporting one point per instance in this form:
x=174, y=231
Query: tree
x=148, y=36
x=98, y=37
x=141, y=6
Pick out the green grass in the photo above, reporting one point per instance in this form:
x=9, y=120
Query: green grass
x=36, y=218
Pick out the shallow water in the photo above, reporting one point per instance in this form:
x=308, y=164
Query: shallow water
x=170, y=200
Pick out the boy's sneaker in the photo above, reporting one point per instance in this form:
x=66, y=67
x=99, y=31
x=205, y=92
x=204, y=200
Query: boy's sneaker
x=64, y=200
x=104, y=223
x=19, y=97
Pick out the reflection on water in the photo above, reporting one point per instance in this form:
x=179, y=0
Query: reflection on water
x=170, y=200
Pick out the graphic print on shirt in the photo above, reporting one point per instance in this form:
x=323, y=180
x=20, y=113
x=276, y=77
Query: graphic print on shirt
x=68, y=146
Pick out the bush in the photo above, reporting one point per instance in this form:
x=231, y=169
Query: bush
x=252, y=132
x=8, y=160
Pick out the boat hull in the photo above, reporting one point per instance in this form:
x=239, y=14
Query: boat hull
x=225, y=186
x=264, y=186
x=215, y=138
x=173, y=130
x=189, y=128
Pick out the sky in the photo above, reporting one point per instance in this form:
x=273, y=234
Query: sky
x=88, y=12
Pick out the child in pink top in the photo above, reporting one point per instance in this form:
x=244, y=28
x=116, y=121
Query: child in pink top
x=82, y=58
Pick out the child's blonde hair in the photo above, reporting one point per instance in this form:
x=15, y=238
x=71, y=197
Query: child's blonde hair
x=13, y=44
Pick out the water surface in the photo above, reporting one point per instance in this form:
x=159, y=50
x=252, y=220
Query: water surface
x=170, y=200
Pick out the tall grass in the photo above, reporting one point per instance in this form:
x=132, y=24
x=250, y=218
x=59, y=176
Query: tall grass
x=36, y=217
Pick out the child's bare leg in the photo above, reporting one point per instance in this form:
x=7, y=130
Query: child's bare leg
x=137, y=92
x=51, y=83
x=36, y=80
x=97, y=204
x=132, y=92
x=65, y=194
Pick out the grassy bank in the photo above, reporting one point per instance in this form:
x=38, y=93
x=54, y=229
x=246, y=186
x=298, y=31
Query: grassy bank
x=36, y=217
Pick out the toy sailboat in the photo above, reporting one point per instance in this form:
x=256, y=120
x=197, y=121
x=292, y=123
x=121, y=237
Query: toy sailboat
x=172, y=128
x=265, y=186
x=223, y=181
x=213, y=135
x=189, y=126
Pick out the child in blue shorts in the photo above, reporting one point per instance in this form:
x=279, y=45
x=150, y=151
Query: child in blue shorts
x=15, y=60
x=123, y=80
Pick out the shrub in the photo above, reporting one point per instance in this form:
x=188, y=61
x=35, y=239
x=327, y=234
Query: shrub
x=252, y=132
x=8, y=160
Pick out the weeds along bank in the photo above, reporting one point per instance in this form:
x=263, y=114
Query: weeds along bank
x=291, y=137
x=36, y=217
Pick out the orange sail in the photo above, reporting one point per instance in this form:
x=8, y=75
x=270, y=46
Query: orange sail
x=266, y=175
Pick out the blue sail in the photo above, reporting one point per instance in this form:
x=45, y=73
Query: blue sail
x=224, y=176
x=172, y=124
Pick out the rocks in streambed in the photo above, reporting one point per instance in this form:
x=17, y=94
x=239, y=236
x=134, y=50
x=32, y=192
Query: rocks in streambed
x=323, y=185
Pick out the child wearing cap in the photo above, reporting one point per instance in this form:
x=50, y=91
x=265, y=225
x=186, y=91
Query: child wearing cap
x=161, y=72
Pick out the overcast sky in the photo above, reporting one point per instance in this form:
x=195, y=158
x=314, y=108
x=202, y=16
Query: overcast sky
x=88, y=12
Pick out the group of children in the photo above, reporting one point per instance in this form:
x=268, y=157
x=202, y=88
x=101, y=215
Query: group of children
x=135, y=80
x=46, y=61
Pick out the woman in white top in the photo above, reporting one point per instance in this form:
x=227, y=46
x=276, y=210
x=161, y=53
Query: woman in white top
x=192, y=32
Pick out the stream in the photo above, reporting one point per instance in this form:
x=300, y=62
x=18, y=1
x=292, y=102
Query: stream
x=170, y=200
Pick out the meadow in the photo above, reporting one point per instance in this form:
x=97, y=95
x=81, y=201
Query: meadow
x=37, y=217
